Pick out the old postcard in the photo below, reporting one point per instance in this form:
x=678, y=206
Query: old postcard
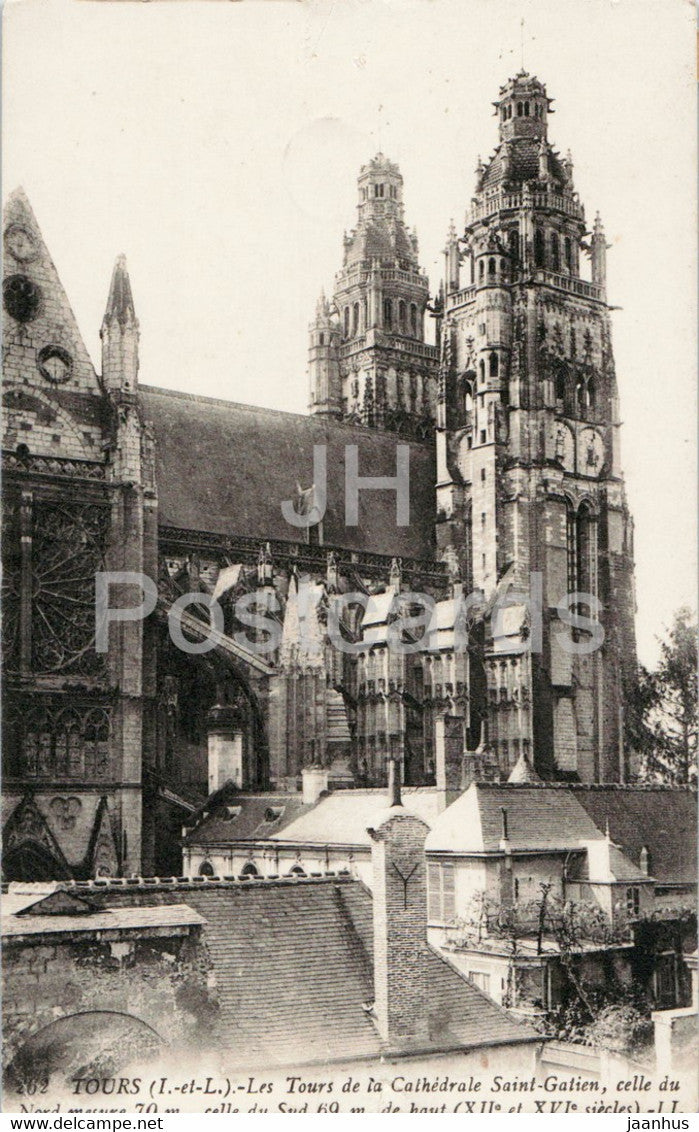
x=349, y=643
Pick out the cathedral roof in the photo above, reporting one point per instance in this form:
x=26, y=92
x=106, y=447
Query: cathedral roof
x=226, y=468
x=384, y=240
x=523, y=164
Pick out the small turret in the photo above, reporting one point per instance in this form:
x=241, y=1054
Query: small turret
x=324, y=362
x=119, y=333
x=568, y=167
x=543, y=160
x=599, y=253
x=451, y=260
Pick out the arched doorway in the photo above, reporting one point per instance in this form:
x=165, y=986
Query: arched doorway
x=97, y=1043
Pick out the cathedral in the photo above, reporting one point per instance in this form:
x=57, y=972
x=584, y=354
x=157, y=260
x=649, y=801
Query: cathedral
x=506, y=433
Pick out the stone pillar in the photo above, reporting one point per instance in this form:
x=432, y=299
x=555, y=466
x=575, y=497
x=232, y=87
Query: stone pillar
x=225, y=747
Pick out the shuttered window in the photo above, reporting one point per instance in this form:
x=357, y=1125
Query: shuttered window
x=441, y=900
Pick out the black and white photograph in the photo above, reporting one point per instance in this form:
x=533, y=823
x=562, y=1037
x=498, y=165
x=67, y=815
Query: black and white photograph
x=349, y=630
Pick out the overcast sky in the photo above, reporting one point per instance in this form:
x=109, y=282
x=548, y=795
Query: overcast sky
x=217, y=145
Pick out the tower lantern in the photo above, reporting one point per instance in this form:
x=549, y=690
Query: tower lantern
x=522, y=108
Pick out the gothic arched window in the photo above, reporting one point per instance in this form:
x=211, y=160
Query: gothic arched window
x=468, y=397
x=355, y=320
x=579, y=398
x=539, y=250
x=526, y=109
x=591, y=394
x=206, y=869
x=493, y=364
x=347, y=321
x=519, y=109
x=413, y=318
x=513, y=242
x=581, y=538
x=491, y=268
x=481, y=270
x=560, y=383
x=249, y=870
x=481, y=371
x=401, y=315
x=555, y=252
x=568, y=253
x=387, y=313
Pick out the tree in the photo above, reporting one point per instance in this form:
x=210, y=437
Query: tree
x=663, y=725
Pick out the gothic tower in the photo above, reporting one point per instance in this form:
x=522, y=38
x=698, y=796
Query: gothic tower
x=530, y=490
x=368, y=359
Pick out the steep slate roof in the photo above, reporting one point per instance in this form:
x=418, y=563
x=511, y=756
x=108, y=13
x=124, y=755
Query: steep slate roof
x=664, y=819
x=342, y=817
x=537, y=818
x=250, y=824
x=238, y=464
x=294, y=969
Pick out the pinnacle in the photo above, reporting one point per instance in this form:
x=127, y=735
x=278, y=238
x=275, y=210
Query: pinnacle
x=120, y=305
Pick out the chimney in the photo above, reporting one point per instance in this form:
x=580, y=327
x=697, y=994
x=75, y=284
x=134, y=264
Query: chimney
x=507, y=894
x=225, y=747
x=400, y=929
x=314, y=782
x=645, y=860
x=505, y=840
x=394, y=798
x=449, y=742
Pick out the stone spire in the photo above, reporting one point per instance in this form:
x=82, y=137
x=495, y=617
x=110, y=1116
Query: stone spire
x=119, y=333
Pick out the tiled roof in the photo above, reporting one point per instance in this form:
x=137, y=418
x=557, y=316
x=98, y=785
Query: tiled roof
x=224, y=824
x=664, y=819
x=293, y=962
x=342, y=817
x=240, y=463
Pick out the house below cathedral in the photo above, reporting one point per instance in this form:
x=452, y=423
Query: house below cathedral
x=340, y=548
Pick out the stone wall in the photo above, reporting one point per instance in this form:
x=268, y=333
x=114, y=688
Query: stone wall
x=159, y=980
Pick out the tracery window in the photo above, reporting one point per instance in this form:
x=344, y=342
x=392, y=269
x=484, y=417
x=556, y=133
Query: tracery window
x=51, y=552
x=581, y=537
x=49, y=738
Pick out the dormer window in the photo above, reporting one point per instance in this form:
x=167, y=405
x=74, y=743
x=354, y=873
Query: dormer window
x=230, y=813
x=273, y=813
